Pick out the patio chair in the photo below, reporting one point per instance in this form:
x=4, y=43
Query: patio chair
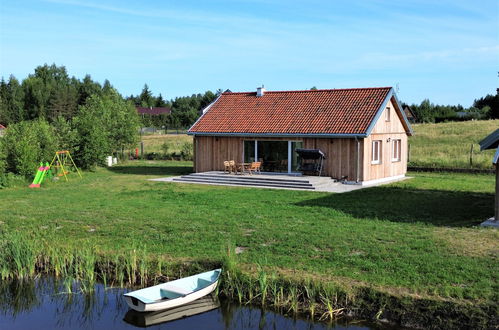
x=227, y=167
x=254, y=167
x=232, y=164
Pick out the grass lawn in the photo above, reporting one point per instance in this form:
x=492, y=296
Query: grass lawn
x=415, y=237
x=449, y=144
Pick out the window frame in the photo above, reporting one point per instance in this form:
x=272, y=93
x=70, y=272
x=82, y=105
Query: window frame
x=388, y=114
x=396, y=150
x=376, y=160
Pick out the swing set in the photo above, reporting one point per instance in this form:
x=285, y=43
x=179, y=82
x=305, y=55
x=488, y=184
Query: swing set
x=61, y=165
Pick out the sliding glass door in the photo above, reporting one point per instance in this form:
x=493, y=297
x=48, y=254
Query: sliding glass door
x=276, y=156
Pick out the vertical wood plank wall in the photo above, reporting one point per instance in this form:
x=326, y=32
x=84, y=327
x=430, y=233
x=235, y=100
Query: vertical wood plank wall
x=341, y=156
x=211, y=152
x=386, y=131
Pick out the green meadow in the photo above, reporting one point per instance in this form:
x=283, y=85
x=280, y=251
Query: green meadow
x=448, y=145
x=417, y=237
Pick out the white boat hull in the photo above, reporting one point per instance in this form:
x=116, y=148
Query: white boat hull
x=169, y=303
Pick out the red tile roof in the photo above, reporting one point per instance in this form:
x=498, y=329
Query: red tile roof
x=331, y=111
x=153, y=110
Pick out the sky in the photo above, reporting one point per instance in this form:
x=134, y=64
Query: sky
x=446, y=51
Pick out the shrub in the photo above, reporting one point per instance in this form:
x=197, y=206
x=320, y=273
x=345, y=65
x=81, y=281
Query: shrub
x=3, y=156
x=165, y=148
x=187, y=151
x=26, y=144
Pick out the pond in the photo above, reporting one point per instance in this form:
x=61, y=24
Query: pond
x=46, y=304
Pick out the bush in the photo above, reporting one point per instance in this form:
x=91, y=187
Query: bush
x=26, y=144
x=165, y=147
x=154, y=156
x=187, y=151
x=11, y=179
x=3, y=156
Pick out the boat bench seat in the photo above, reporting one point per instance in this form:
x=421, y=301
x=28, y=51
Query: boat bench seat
x=171, y=291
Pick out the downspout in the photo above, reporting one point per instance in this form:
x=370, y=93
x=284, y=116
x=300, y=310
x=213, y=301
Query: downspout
x=358, y=160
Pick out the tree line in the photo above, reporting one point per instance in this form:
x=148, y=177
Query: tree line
x=49, y=111
x=184, y=110
x=483, y=108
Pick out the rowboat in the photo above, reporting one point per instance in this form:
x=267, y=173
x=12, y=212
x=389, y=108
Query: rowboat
x=174, y=293
x=199, y=306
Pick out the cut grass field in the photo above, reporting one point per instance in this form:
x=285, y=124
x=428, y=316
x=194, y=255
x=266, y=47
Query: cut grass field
x=413, y=238
x=154, y=143
x=448, y=145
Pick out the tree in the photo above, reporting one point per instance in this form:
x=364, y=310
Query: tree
x=87, y=88
x=146, y=98
x=11, y=101
x=491, y=101
x=105, y=124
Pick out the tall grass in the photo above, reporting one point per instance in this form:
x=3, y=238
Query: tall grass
x=320, y=300
x=449, y=145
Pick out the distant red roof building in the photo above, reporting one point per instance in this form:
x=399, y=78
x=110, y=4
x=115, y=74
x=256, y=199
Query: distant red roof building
x=2, y=127
x=154, y=111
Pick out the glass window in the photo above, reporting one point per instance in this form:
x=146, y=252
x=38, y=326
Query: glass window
x=376, y=152
x=396, y=150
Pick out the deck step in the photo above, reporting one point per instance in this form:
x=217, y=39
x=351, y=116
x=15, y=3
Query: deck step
x=245, y=181
x=254, y=177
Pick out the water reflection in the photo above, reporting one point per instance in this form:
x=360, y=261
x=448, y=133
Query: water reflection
x=46, y=304
x=199, y=306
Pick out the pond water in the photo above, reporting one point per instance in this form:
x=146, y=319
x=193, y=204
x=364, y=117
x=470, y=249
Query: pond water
x=45, y=304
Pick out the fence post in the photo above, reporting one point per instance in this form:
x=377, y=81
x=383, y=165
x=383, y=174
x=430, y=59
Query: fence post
x=471, y=156
x=408, y=152
x=141, y=149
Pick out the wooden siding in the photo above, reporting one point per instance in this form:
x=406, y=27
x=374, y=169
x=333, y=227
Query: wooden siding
x=211, y=152
x=386, y=131
x=341, y=156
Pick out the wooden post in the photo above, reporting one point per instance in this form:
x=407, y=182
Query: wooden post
x=496, y=215
x=408, y=152
x=142, y=149
x=471, y=156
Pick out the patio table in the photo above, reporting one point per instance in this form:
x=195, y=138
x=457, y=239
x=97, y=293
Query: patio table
x=242, y=167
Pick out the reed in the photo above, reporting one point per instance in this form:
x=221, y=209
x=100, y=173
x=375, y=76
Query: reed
x=81, y=268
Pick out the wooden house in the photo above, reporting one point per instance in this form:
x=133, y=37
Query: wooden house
x=363, y=132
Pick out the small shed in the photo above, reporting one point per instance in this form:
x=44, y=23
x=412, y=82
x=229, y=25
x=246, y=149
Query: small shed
x=492, y=142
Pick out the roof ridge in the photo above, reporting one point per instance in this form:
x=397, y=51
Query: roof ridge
x=313, y=90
